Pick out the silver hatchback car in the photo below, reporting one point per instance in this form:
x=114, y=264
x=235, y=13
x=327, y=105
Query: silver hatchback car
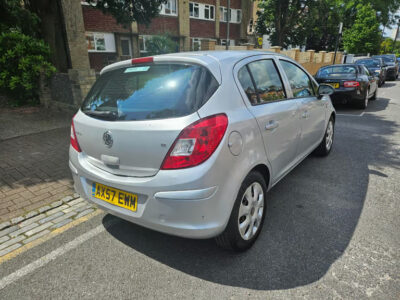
x=189, y=143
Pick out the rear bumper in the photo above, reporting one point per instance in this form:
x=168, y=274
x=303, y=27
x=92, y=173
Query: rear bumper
x=187, y=205
x=391, y=72
x=343, y=95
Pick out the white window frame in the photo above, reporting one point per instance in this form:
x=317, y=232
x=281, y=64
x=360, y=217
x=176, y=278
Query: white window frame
x=108, y=39
x=125, y=38
x=169, y=5
x=202, y=11
x=195, y=41
x=235, y=15
x=191, y=11
x=144, y=37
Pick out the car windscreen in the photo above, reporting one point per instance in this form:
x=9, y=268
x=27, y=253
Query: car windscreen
x=337, y=71
x=150, y=91
x=369, y=63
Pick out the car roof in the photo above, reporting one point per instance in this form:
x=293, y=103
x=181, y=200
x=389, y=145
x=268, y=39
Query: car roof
x=341, y=65
x=210, y=59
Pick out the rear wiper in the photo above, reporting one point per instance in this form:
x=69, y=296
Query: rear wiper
x=105, y=115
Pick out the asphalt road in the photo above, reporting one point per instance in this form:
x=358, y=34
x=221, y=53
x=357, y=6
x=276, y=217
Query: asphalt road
x=332, y=230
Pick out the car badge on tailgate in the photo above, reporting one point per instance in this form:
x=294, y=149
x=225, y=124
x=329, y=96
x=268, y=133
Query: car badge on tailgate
x=107, y=138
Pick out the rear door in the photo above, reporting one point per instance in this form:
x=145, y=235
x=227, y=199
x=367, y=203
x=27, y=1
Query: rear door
x=312, y=109
x=132, y=115
x=276, y=114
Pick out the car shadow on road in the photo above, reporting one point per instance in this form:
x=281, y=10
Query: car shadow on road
x=373, y=106
x=311, y=217
x=388, y=85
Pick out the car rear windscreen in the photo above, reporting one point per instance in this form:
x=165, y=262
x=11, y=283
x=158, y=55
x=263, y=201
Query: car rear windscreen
x=369, y=63
x=388, y=60
x=337, y=71
x=150, y=91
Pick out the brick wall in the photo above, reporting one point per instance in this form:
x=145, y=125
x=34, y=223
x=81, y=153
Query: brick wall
x=234, y=31
x=160, y=25
x=96, y=21
x=234, y=3
x=212, y=2
x=201, y=28
x=100, y=60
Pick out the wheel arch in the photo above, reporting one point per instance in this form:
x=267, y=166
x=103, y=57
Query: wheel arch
x=264, y=171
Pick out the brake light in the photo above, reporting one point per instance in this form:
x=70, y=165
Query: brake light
x=74, y=140
x=142, y=60
x=351, y=84
x=196, y=143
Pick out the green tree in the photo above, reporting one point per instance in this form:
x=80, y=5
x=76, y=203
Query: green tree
x=282, y=20
x=387, y=47
x=128, y=11
x=322, y=24
x=364, y=36
x=16, y=17
x=314, y=23
x=22, y=59
x=161, y=44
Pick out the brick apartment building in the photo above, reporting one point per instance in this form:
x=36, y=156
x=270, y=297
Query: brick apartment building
x=187, y=22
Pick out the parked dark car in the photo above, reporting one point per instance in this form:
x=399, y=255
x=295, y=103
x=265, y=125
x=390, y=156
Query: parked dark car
x=376, y=67
x=353, y=83
x=391, y=64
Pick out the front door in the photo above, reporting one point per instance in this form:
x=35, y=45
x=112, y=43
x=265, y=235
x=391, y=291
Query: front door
x=311, y=109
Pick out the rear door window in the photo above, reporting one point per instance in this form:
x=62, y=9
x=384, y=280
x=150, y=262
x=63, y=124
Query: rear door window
x=150, y=91
x=267, y=81
x=299, y=81
x=247, y=85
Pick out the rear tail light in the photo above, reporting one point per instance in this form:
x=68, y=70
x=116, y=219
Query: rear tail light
x=74, y=140
x=196, y=143
x=351, y=84
x=142, y=60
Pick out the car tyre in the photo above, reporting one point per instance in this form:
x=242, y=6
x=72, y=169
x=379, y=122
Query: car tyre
x=247, y=216
x=375, y=95
x=325, y=147
x=364, y=103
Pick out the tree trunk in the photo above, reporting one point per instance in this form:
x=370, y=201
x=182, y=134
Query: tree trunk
x=52, y=30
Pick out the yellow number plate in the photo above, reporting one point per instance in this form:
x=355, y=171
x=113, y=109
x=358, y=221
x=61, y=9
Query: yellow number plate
x=334, y=85
x=114, y=196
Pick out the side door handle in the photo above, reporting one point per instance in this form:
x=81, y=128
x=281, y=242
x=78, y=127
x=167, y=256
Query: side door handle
x=272, y=125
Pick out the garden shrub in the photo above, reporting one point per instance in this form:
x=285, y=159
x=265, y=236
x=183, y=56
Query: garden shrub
x=22, y=59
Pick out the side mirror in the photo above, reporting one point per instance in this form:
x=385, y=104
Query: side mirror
x=325, y=90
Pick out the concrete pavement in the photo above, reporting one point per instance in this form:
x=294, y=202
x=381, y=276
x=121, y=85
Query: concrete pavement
x=331, y=231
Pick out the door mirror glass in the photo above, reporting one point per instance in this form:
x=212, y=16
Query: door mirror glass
x=325, y=90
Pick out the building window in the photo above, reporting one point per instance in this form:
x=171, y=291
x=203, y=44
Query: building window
x=126, y=49
x=169, y=8
x=201, y=11
x=209, y=12
x=194, y=10
x=100, y=42
x=223, y=14
x=250, y=28
x=196, y=44
x=235, y=15
x=238, y=16
x=142, y=43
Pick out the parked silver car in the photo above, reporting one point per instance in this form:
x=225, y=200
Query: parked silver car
x=189, y=143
